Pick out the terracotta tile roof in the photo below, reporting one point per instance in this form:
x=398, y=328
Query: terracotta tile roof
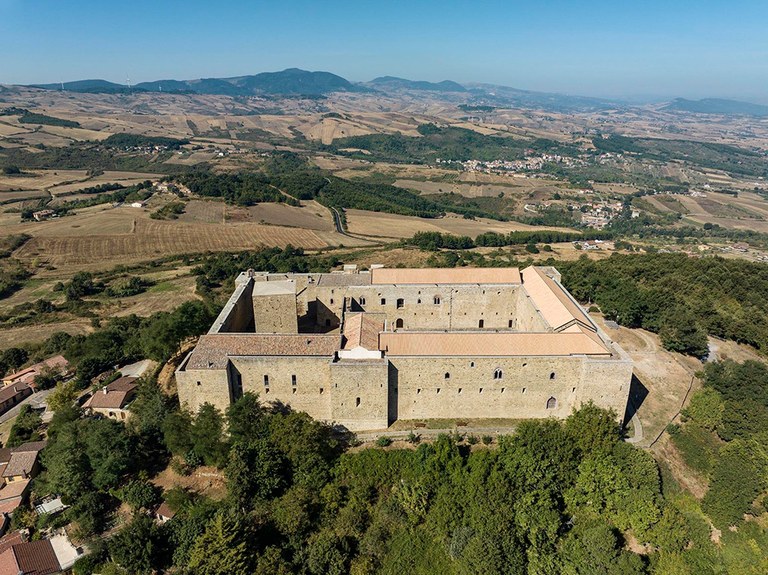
x=213, y=350
x=332, y=280
x=5, y=454
x=31, y=558
x=14, y=489
x=362, y=330
x=10, y=391
x=56, y=363
x=13, y=538
x=554, y=304
x=489, y=344
x=114, y=395
x=30, y=446
x=445, y=276
x=165, y=511
x=21, y=463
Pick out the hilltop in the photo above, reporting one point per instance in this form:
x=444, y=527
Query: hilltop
x=717, y=106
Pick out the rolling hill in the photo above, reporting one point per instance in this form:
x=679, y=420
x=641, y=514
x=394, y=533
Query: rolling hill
x=393, y=83
x=717, y=106
x=292, y=81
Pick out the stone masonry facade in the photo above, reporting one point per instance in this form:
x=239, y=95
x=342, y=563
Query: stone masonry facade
x=364, y=349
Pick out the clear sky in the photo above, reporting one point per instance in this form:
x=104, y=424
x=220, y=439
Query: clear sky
x=690, y=48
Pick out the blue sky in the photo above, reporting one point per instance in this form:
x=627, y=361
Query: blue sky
x=641, y=48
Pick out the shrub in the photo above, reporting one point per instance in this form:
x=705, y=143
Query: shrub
x=383, y=441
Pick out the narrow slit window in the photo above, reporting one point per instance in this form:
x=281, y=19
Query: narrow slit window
x=357, y=402
x=266, y=380
x=481, y=323
x=293, y=380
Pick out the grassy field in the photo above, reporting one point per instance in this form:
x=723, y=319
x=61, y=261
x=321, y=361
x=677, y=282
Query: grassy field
x=382, y=225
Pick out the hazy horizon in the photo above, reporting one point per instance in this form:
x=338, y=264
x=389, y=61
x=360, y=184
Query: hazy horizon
x=654, y=52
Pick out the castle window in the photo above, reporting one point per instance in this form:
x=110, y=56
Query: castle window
x=199, y=384
x=447, y=375
x=293, y=390
x=438, y=390
x=481, y=323
x=418, y=391
x=523, y=390
x=498, y=374
x=266, y=380
x=481, y=390
x=459, y=390
x=400, y=303
x=573, y=390
x=266, y=390
x=362, y=301
x=321, y=391
x=552, y=375
x=293, y=380
x=471, y=364
x=510, y=323
x=383, y=301
x=502, y=389
x=331, y=301
x=551, y=403
x=436, y=300
x=399, y=322
x=418, y=300
x=357, y=402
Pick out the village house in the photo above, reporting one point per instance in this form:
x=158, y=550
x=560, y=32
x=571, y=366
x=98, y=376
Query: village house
x=113, y=399
x=18, y=466
x=19, y=556
x=42, y=215
x=12, y=395
x=56, y=365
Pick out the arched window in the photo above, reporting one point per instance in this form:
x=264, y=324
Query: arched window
x=552, y=375
x=436, y=299
x=447, y=375
x=551, y=403
x=498, y=374
x=400, y=303
x=399, y=322
x=481, y=323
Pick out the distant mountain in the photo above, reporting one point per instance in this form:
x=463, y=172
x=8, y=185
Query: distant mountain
x=504, y=96
x=717, y=106
x=289, y=82
x=93, y=86
x=393, y=83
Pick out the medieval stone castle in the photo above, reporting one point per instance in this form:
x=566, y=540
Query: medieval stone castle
x=364, y=349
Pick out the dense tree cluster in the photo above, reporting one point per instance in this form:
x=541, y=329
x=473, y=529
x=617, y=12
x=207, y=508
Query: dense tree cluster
x=554, y=498
x=437, y=240
x=447, y=143
x=724, y=435
x=245, y=189
x=124, y=141
x=681, y=298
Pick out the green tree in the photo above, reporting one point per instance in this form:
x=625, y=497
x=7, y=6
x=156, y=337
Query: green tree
x=222, y=549
x=25, y=428
x=207, y=436
x=136, y=547
x=246, y=419
x=177, y=432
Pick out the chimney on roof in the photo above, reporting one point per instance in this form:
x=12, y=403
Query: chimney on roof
x=104, y=389
x=251, y=273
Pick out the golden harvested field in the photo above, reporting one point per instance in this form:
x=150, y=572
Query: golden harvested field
x=383, y=225
x=11, y=337
x=102, y=236
x=163, y=296
x=468, y=190
x=42, y=179
x=310, y=215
